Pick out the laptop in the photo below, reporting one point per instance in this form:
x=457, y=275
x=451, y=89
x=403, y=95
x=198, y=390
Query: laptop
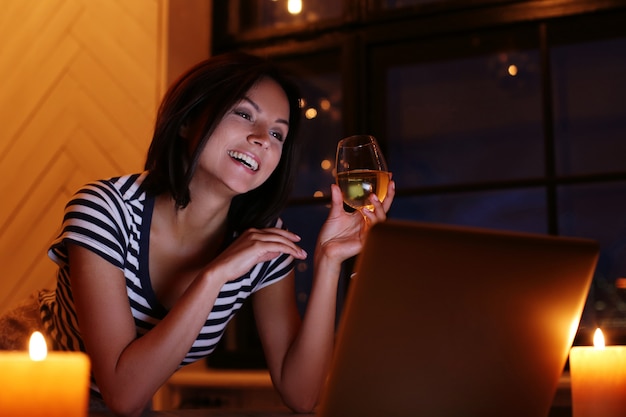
x=445, y=321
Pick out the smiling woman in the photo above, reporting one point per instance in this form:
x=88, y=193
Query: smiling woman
x=209, y=91
x=153, y=265
x=251, y=134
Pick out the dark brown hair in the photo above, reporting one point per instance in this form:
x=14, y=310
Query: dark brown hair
x=200, y=98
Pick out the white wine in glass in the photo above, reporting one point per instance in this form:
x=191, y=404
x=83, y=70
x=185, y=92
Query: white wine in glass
x=361, y=171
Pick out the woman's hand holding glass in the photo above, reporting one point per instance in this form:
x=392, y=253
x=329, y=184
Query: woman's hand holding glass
x=343, y=233
x=364, y=184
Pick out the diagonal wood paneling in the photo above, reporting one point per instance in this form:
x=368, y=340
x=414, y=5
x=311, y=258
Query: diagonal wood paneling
x=81, y=81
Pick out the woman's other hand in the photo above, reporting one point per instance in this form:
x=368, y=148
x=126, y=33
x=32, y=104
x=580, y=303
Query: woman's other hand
x=343, y=234
x=253, y=247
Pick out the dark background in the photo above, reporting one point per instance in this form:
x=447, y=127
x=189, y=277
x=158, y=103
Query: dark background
x=543, y=150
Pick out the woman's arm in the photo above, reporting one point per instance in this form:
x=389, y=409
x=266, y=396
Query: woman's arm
x=129, y=370
x=299, y=354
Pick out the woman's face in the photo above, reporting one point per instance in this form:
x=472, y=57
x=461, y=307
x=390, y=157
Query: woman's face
x=247, y=144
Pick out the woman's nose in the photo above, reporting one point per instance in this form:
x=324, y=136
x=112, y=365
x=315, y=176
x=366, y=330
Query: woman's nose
x=259, y=138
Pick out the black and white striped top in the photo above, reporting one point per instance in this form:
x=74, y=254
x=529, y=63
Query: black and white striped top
x=112, y=218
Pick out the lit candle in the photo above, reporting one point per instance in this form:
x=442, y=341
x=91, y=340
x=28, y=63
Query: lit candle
x=38, y=383
x=598, y=376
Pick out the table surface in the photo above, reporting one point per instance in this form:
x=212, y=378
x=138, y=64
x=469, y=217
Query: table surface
x=561, y=408
x=212, y=413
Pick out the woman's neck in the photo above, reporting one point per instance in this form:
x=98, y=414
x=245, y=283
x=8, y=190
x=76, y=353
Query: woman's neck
x=201, y=220
x=182, y=242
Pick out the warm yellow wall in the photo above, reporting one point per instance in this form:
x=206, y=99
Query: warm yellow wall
x=80, y=84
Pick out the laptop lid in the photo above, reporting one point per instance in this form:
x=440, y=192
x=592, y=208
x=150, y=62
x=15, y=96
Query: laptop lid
x=453, y=321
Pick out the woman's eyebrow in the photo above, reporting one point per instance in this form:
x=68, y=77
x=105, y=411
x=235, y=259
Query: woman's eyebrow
x=257, y=108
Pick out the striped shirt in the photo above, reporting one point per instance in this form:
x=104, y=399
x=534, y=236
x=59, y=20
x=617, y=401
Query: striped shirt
x=112, y=218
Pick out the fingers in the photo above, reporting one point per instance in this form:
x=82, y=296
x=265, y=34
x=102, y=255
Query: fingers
x=272, y=231
x=252, y=247
x=276, y=240
x=336, y=197
x=379, y=212
x=391, y=193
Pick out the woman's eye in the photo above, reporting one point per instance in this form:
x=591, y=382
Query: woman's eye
x=243, y=114
x=277, y=135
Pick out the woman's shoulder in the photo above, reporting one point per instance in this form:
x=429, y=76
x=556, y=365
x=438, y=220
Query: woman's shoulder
x=125, y=188
x=119, y=199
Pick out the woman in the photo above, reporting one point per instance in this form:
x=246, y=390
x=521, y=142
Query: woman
x=153, y=265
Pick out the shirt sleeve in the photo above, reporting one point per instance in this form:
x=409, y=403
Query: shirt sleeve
x=96, y=219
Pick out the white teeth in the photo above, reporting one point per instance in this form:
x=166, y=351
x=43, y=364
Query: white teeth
x=245, y=159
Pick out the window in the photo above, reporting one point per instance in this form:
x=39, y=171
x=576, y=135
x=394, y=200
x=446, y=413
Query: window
x=587, y=70
x=319, y=79
x=498, y=114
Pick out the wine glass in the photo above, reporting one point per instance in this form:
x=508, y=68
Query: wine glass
x=361, y=170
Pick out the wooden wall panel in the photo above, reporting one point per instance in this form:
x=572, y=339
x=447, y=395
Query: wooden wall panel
x=81, y=81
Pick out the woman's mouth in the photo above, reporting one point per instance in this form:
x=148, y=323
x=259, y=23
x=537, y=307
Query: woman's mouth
x=244, y=159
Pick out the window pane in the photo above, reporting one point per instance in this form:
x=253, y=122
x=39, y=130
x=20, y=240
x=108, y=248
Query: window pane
x=597, y=212
x=398, y=4
x=256, y=14
x=469, y=119
x=520, y=210
x=319, y=80
x=306, y=221
x=590, y=118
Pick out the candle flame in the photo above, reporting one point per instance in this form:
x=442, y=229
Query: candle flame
x=37, y=347
x=598, y=339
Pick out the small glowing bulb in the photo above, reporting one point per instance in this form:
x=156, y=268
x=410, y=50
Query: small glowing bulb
x=598, y=339
x=512, y=70
x=37, y=347
x=310, y=113
x=326, y=164
x=294, y=6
